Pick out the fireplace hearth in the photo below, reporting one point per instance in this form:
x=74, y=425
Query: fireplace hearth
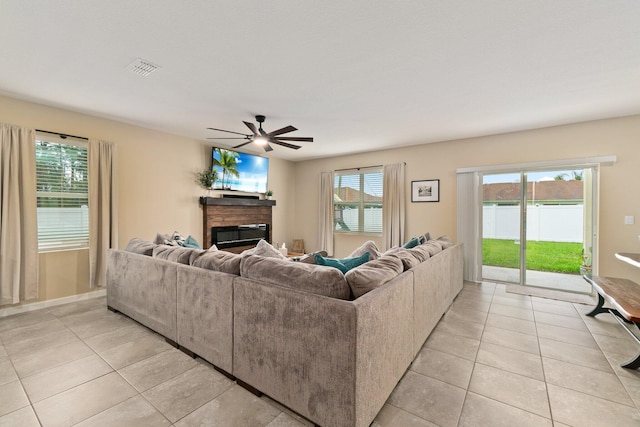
x=234, y=236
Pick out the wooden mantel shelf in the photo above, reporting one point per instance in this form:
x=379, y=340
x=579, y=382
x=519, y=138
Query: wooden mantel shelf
x=233, y=201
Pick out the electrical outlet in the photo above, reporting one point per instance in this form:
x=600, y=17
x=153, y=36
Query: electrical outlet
x=629, y=220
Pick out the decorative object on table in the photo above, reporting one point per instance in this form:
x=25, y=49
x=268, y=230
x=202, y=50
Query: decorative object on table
x=283, y=250
x=298, y=246
x=425, y=191
x=207, y=178
x=268, y=194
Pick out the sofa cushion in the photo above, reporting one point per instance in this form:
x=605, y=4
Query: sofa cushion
x=343, y=264
x=368, y=246
x=373, y=274
x=296, y=275
x=176, y=253
x=264, y=249
x=421, y=252
x=433, y=246
x=409, y=260
x=139, y=246
x=215, y=260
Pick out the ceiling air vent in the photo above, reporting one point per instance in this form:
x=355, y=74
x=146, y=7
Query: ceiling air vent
x=142, y=67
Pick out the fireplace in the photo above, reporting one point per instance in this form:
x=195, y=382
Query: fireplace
x=221, y=212
x=239, y=235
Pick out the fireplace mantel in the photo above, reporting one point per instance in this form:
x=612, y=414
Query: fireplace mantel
x=233, y=201
x=227, y=211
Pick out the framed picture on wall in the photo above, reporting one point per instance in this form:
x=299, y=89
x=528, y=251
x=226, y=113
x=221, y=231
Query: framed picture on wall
x=425, y=191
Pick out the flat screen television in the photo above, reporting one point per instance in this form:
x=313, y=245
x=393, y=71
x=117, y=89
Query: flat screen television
x=240, y=171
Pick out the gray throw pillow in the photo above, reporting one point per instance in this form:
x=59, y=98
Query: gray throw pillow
x=161, y=238
x=139, y=246
x=373, y=274
x=409, y=260
x=446, y=241
x=264, y=249
x=368, y=246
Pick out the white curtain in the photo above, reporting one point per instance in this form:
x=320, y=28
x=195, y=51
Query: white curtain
x=470, y=224
x=325, y=213
x=103, y=213
x=393, y=206
x=18, y=215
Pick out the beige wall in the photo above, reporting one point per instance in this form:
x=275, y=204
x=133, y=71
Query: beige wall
x=157, y=192
x=157, y=188
x=618, y=192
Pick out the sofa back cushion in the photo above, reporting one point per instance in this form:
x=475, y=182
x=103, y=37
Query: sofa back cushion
x=176, y=253
x=373, y=274
x=296, y=275
x=140, y=246
x=215, y=260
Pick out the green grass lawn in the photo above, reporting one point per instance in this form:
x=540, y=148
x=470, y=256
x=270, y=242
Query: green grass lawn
x=558, y=257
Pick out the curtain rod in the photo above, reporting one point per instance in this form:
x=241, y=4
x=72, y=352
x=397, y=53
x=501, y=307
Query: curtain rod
x=362, y=167
x=62, y=135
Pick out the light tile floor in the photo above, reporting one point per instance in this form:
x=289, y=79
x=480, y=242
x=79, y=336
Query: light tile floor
x=495, y=359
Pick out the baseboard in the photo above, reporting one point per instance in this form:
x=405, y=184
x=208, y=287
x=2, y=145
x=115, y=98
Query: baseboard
x=9, y=311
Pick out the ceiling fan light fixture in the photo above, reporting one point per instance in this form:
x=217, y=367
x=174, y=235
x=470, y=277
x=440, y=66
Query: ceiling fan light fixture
x=260, y=140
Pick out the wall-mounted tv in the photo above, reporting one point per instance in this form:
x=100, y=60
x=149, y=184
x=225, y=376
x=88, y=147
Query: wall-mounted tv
x=240, y=171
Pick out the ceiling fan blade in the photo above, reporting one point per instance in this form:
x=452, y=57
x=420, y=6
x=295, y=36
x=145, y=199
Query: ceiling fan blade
x=245, y=137
x=284, y=144
x=252, y=127
x=243, y=144
x=295, y=138
x=268, y=148
x=229, y=131
x=283, y=130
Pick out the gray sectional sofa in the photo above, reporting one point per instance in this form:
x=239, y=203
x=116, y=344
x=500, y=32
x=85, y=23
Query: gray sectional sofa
x=294, y=331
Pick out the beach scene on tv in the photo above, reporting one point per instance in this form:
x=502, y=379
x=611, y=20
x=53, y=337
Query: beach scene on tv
x=240, y=171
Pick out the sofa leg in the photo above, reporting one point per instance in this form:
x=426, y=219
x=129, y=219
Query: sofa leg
x=188, y=352
x=249, y=388
x=225, y=373
x=172, y=342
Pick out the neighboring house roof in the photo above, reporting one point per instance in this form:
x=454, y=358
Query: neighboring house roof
x=539, y=191
x=348, y=194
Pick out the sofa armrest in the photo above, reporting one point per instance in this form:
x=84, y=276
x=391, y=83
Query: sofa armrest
x=143, y=288
x=297, y=347
x=335, y=362
x=384, y=348
x=205, y=314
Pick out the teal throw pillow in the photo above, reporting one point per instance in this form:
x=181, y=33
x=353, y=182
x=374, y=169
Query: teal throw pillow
x=411, y=243
x=192, y=243
x=344, y=264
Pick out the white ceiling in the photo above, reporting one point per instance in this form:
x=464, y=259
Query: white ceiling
x=355, y=75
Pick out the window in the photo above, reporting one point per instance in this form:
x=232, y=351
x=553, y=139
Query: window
x=62, y=194
x=358, y=201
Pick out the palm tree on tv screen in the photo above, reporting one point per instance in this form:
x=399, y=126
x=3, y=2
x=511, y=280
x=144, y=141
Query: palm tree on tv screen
x=228, y=162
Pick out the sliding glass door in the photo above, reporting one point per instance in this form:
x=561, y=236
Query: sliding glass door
x=538, y=227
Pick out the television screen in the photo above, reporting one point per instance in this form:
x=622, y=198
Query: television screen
x=240, y=171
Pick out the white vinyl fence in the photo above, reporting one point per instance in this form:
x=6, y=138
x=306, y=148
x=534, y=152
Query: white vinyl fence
x=550, y=223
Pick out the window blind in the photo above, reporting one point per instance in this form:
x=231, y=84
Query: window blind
x=358, y=200
x=62, y=194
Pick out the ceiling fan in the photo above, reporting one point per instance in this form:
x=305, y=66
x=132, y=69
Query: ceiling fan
x=261, y=137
